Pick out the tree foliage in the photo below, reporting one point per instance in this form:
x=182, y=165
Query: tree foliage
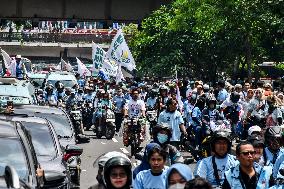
x=203, y=38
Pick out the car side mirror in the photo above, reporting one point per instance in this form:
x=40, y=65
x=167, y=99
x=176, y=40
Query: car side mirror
x=72, y=150
x=53, y=176
x=12, y=177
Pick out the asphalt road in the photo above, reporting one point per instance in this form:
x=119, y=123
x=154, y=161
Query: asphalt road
x=95, y=148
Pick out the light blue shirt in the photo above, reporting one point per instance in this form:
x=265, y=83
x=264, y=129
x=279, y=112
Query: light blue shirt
x=145, y=180
x=174, y=120
x=151, y=102
x=196, y=112
x=119, y=103
x=222, y=95
x=206, y=171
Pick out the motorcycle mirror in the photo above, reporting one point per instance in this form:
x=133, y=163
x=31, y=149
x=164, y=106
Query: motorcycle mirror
x=72, y=150
x=281, y=171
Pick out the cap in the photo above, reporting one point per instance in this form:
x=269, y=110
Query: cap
x=254, y=129
x=18, y=56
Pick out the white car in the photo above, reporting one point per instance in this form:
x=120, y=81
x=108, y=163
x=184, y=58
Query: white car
x=66, y=78
x=19, y=91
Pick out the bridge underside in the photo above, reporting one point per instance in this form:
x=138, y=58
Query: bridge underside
x=76, y=10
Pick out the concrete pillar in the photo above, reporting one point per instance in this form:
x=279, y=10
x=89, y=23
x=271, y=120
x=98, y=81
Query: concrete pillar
x=19, y=8
x=63, y=9
x=108, y=4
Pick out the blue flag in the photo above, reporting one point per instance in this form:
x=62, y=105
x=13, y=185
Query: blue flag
x=103, y=75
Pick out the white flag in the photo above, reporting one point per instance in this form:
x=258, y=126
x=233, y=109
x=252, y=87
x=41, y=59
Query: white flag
x=110, y=67
x=58, y=67
x=120, y=53
x=98, y=56
x=7, y=59
x=82, y=69
x=119, y=75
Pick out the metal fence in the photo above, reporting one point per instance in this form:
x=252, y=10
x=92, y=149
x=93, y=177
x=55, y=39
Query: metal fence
x=55, y=37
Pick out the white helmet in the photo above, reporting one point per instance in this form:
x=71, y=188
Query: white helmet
x=254, y=128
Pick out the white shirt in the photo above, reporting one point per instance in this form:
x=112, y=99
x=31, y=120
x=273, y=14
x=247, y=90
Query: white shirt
x=135, y=108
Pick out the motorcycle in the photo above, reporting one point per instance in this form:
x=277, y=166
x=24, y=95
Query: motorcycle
x=204, y=149
x=105, y=124
x=134, y=130
x=87, y=115
x=76, y=118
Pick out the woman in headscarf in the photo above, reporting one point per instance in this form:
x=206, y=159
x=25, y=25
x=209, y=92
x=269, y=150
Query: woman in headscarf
x=177, y=176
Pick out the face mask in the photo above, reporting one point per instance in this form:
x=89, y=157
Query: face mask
x=177, y=186
x=162, y=138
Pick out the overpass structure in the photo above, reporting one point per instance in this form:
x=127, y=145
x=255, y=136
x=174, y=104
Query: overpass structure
x=76, y=10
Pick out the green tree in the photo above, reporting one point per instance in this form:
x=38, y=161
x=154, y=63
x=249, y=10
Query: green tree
x=209, y=36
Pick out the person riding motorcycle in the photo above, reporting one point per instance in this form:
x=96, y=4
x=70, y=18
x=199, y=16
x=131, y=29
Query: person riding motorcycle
x=162, y=99
x=210, y=113
x=118, y=101
x=152, y=99
x=196, y=115
x=89, y=95
x=118, y=173
x=72, y=101
x=102, y=103
x=174, y=119
x=273, y=141
x=50, y=96
x=274, y=113
x=60, y=91
x=101, y=164
x=213, y=167
x=232, y=111
x=162, y=135
x=135, y=108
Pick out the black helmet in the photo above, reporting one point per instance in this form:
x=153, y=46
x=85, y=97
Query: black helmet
x=256, y=140
x=272, y=133
x=211, y=100
x=235, y=97
x=160, y=127
x=117, y=162
x=221, y=134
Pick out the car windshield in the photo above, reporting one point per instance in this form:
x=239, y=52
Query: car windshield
x=60, y=123
x=66, y=83
x=42, y=140
x=12, y=153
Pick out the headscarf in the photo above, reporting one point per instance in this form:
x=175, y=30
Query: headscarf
x=145, y=164
x=182, y=169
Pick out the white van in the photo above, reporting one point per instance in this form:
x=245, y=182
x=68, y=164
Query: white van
x=66, y=78
x=19, y=91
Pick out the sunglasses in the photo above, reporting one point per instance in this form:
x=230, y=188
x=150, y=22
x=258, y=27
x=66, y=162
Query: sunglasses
x=248, y=152
x=118, y=175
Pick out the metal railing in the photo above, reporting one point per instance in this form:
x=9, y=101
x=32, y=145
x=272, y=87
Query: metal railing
x=55, y=37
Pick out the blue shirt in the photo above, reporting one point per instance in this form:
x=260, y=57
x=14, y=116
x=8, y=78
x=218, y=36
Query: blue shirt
x=174, y=120
x=222, y=95
x=145, y=180
x=206, y=171
x=196, y=113
x=119, y=103
x=151, y=102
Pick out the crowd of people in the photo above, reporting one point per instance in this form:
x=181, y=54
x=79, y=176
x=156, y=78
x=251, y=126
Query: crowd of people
x=238, y=119
x=251, y=120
